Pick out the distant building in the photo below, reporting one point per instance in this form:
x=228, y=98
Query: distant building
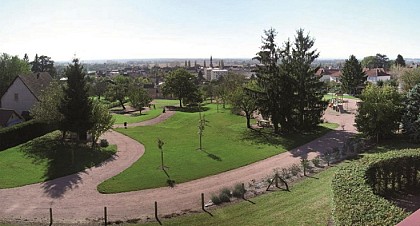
x=24, y=92
x=329, y=74
x=377, y=74
x=373, y=75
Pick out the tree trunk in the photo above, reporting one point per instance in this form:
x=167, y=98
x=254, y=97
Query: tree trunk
x=180, y=103
x=248, y=120
x=122, y=104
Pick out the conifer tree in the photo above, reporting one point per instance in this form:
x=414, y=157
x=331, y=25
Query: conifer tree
x=76, y=106
x=400, y=61
x=411, y=116
x=352, y=75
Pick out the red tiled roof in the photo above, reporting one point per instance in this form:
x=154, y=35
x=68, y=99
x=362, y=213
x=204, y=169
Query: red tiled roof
x=375, y=72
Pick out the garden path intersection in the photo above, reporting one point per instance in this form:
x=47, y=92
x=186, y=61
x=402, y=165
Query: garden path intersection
x=74, y=198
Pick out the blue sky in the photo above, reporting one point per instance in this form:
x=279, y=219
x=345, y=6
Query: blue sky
x=124, y=29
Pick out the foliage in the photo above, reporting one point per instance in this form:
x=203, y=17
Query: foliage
x=290, y=92
x=102, y=121
x=238, y=191
x=242, y=99
x=43, y=64
x=76, y=106
x=202, y=123
x=103, y=143
x=10, y=67
x=46, y=109
x=355, y=202
x=295, y=169
x=380, y=112
x=224, y=197
x=400, y=61
x=352, y=76
x=411, y=116
x=377, y=61
x=118, y=90
x=23, y=132
x=305, y=165
x=409, y=79
x=99, y=87
x=316, y=161
x=226, y=191
x=215, y=199
x=138, y=96
x=228, y=83
x=179, y=83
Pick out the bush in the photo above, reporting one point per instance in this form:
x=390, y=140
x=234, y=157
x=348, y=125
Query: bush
x=215, y=199
x=316, y=161
x=238, y=191
x=285, y=173
x=353, y=186
x=295, y=169
x=104, y=143
x=224, y=197
x=23, y=132
x=305, y=165
x=226, y=191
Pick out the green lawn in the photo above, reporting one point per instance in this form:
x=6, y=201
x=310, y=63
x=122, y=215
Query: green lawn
x=46, y=158
x=226, y=141
x=308, y=203
x=329, y=97
x=147, y=115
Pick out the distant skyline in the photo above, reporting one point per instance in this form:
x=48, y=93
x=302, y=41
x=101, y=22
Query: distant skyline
x=138, y=29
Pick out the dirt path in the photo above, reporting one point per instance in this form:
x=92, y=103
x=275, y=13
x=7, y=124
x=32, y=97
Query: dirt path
x=74, y=198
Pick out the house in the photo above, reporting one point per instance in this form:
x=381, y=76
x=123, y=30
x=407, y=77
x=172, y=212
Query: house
x=24, y=92
x=9, y=117
x=376, y=74
x=328, y=74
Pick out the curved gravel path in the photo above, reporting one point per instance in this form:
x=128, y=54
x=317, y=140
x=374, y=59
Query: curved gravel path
x=75, y=199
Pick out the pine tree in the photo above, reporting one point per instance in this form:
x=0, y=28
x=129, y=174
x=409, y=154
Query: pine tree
x=352, y=75
x=76, y=106
x=222, y=64
x=36, y=66
x=26, y=58
x=400, y=61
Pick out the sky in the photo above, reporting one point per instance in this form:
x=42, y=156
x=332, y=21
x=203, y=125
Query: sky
x=141, y=29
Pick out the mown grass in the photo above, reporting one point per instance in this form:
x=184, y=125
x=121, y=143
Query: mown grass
x=329, y=97
x=227, y=144
x=46, y=158
x=308, y=203
x=147, y=115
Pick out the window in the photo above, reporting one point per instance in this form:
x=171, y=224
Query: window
x=16, y=96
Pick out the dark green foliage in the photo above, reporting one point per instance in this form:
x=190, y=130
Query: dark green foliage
x=289, y=90
x=380, y=113
x=103, y=143
x=238, y=191
x=118, y=90
x=377, y=61
x=411, y=116
x=400, y=61
x=180, y=84
x=226, y=191
x=76, y=106
x=224, y=197
x=43, y=64
x=354, y=187
x=23, y=132
x=316, y=161
x=10, y=67
x=215, y=199
x=353, y=76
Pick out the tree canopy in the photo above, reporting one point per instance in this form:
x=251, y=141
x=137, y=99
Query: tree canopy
x=43, y=64
x=400, y=61
x=352, y=75
x=10, y=67
x=411, y=116
x=409, y=79
x=181, y=84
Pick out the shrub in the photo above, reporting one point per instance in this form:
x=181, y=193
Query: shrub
x=305, y=165
x=226, y=191
x=316, y=161
x=215, y=199
x=238, y=191
x=285, y=173
x=295, y=169
x=353, y=186
x=224, y=197
x=104, y=143
x=23, y=132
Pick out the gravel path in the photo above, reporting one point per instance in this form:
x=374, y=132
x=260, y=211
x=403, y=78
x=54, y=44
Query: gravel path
x=75, y=199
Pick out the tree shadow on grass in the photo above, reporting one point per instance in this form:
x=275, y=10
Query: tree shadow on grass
x=188, y=109
x=61, y=174
x=212, y=156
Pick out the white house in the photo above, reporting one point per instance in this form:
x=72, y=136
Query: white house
x=377, y=74
x=24, y=92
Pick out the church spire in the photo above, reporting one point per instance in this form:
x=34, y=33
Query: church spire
x=211, y=61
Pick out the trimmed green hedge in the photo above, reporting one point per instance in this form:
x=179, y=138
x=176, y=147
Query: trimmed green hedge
x=23, y=132
x=354, y=187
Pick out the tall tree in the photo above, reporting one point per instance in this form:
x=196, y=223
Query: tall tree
x=243, y=101
x=118, y=89
x=380, y=113
x=411, y=116
x=102, y=121
x=352, y=75
x=43, y=64
x=26, y=58
x=310, y=90
x=400, y=61
x=409, y=79
x=76, y=106
x=369, y=62
x=46, y=109
x=10, y=67
x=138, y=96
x=179, y=83
x=228, y=83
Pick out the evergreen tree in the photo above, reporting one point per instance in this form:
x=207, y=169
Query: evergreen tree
x=189, y=64
x=222, y=64
x=352, y=75
x=400, y=61
x=310, y=92
x=43, y=64
x=185, y=64
x=411, y=116
x=36, y=67
x=195, y=64
x=76, y=106
x=26, y=58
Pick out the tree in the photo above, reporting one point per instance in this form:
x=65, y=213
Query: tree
x=118, y=89
x=400, y=61
x=76, y=106
x=228, y=83
x=352, y=75
x=102, y=121
x=411, y=116
x=189, y=64
x=209, y=89
x=26, y=58
x=10, y=67
x=138, y=96
x=99, y=87
x=160, y=144
x=380, y=112
x=409, y=79
x=46, y=109
x=369, y=62
x=382, y=61
x=243, y=100
x=202, y=123
x=179, y=83
x=43, y=64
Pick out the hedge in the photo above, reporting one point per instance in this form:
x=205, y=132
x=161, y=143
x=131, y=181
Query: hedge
x=356, y=188
x=23, y=132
